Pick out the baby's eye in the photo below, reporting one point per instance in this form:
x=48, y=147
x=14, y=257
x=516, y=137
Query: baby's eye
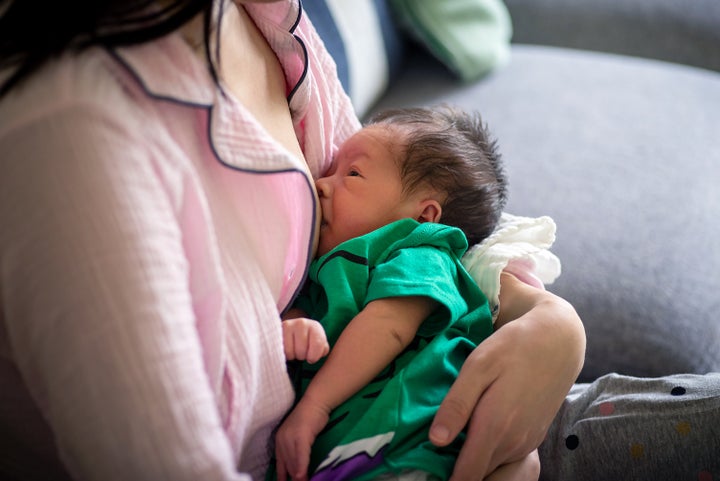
x=353, y=173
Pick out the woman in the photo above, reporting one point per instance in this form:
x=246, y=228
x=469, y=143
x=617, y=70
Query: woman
x=159, y=211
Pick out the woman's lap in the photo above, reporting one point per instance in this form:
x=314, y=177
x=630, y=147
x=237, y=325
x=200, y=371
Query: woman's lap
x=622, y=427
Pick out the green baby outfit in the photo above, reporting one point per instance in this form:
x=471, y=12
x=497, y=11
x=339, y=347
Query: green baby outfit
x=384, y=427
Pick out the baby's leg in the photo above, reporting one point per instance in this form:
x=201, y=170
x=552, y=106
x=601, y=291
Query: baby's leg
x=527, y=469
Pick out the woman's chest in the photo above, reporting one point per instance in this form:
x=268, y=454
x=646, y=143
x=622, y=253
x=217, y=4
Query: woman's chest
x=252, y=73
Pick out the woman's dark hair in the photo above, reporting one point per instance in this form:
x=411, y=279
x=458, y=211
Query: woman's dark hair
x=35, y=31
x=452, y=152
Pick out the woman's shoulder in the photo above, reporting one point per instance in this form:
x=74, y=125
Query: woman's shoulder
x=81, y=117
x=116, y=81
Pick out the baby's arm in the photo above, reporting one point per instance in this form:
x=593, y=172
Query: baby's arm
x=377, y=335
x=303, y=338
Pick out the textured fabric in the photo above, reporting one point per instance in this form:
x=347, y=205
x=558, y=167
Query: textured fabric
x=649, y=429
x=140, y=283
x=520, y=246
x=384, y=426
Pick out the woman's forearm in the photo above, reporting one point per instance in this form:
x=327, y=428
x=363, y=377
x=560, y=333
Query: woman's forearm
x=512, y=385
x=553, y=318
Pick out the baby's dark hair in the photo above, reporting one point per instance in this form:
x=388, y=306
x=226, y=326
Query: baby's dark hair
x=452, y=152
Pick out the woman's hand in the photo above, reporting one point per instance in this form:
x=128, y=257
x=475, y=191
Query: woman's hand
x=511, y=387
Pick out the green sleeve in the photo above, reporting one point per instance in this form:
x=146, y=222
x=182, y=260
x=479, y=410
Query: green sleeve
x=421, y=271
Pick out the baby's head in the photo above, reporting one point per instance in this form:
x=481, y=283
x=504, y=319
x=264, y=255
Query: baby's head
x=452, y=152
x=432, y=165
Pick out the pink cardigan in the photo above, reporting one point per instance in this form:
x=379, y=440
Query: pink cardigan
x=151, y=232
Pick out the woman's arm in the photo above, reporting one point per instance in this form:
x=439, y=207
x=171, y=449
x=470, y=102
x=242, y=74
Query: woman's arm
x=513, y=384
x=96, y=303
x=376, y=336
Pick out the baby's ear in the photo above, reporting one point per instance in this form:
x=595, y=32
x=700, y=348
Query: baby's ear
x=431, y=211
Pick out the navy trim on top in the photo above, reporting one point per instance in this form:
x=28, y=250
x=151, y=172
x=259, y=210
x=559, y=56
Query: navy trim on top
x=138, y=78
x=208, y=108
x=305, y=68
x=297, y=19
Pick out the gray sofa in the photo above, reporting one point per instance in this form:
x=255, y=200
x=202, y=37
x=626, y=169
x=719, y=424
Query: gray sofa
x=608, y=114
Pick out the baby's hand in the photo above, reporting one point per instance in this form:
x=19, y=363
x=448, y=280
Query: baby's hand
x=295, y=437
x=304, y=340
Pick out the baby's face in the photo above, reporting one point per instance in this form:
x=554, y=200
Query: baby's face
x=363, y=190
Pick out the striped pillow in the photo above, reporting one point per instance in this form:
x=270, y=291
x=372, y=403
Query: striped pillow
x=365, y=43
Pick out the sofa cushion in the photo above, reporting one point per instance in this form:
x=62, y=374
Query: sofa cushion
x=622, y=153
x=365, y=43
x=471, y=37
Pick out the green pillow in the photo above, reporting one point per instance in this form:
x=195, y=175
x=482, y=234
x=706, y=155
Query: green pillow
x=471, y=37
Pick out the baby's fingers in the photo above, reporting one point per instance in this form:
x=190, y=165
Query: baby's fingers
x=298, y=469
x=317, y=344
x=293, y=458
x=280, y=468
x=295, y=339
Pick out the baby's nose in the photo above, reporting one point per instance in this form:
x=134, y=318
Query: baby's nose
x=323, y=186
